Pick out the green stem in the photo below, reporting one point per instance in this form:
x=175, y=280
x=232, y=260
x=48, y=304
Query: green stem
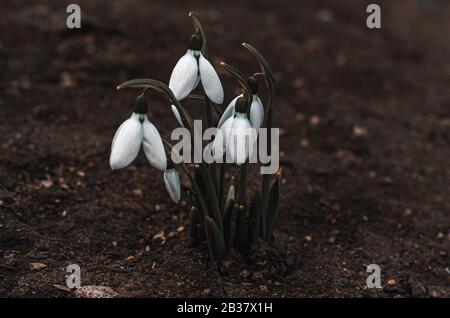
x=203, y=207
x=266, y=177
x=208, y=112
x=209, y=121
x=212, y=194
x=198, y=193
x=222, y=184
x=243, y=184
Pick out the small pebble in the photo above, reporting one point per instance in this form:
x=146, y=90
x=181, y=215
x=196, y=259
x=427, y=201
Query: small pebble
x=407, y=212
x=391, y=282
x=138, y=193
x=37, y=266
x=314, y=120
x=81, y=173
x=160, y=236
x=206, y=292
x=304, y=142
x=359, y=131
x=180, y=229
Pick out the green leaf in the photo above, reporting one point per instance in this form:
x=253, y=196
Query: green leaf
x=215, y=238
x=230, y=225
x=201, y=190
x=272, y=207
x=195, y=97
x=241, y=242
x=255, y=217
x=199, y=29
x=242, y=81
x=231, y=196
x=211, y=192
x=163, y=88
x=194, y=231
x=265, y=67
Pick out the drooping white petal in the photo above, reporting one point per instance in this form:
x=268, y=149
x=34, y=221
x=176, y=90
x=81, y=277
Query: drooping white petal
x=241, y=139
x=256, y=112
x=153, y=146
x=210, y=80
x=197, y=81
x=126, y=143
x=222, y=138
x=177, y=115
x=184, y=76
x=173, y=185
x=229, y=111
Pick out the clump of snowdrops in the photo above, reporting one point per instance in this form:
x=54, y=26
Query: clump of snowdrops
x=225, y=212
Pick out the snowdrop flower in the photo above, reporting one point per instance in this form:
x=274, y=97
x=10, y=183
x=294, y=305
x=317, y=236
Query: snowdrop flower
x=134, y=132
x=192, y=68
x=172, y=182
x=236, y=135
x=256, y=108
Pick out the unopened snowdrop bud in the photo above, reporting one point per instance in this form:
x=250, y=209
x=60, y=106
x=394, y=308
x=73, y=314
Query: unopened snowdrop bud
x=256, y=108
x=256, y=112
x=172, y=182
x=192, y=68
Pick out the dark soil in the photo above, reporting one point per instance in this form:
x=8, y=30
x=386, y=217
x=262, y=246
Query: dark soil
x=365, y=116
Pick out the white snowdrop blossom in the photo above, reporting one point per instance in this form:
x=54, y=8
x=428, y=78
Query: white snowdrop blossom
x=256, y=112
x=134, y=132
x=236, y=134
x=192, y=68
